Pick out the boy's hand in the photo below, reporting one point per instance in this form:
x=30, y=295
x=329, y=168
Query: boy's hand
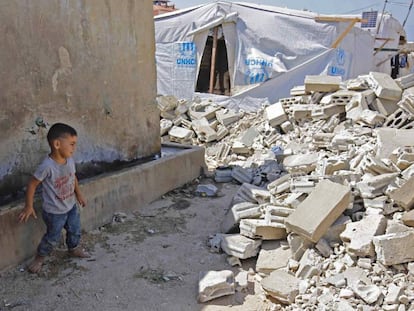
x=26, y=213
x=81, y=200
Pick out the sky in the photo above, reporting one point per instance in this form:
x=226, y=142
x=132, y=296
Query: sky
x=398, y=8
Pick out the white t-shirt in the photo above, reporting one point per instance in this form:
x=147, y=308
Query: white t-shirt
x=58, y=185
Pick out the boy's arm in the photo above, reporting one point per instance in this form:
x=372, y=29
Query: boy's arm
x=78, y=193
x=28, y=208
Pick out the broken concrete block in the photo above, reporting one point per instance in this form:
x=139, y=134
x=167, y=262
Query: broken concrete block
x=282, y=286
x=405, y=82
x=321, y=83
x=261, y=229
x=404, y=196
x=403, y=158
x=408, y=218
x=280, y=185
x=248, y=137
x=240, y=148
x=390, y=139
x=203, y=130
x=368, y=293
x=319, y=210
x=242, y=175
x=393, y=294
x=322, y=140
x=308, y=265
x=214, y=284
x=395, y=248
x=207, y=190
x=251, y=193
x=385, y=106
x=305, y=163
x=222, y=132
x=286, y=127
x=399, y=119
x=182, y=107
x=166, y=103
x=239, y=211
x=272, y=256
x=324, y=248
x=384, y=86
x=354, y=275
x=240, y=246
x=180, y=133
x=227, y=117
x=275, y=114
x=303, y=184
x=241, y=280
x=298, y=90
x=301, y=112
x=328, y=166
x=376, y=166
x=372, y=118
x=298, y=245
x=334, y=231
x=358, y=235
x=373, y=186
x=325, y=112
x=278, y=211
x=223, y=174
x=204, y=109
x=165, y=126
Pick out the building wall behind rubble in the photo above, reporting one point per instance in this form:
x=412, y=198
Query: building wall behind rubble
x=86, y=63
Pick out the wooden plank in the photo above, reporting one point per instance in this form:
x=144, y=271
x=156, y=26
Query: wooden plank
x=343, y=34
x=213, y=60
x=352, y=21
x=339, y=19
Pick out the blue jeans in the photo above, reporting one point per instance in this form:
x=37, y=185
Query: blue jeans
x=54, y=225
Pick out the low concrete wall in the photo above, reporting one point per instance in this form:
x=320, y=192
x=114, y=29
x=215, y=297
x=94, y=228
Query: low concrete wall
x=128, y=189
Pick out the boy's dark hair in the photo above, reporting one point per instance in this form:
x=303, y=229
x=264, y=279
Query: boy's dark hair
x=59, y=130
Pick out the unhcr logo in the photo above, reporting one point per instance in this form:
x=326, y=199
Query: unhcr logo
x=258, y=63
x=186, y=55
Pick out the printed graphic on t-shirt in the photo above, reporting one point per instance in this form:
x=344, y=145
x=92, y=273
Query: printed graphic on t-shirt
x=64, y=186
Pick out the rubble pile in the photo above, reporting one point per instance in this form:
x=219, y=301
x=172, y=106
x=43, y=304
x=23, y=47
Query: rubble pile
x=326, y=192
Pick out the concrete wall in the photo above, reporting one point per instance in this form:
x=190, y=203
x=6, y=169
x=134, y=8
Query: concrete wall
x=87, y=63
x=125, y=190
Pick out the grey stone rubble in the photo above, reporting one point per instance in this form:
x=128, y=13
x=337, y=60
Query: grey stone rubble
x=325, y=203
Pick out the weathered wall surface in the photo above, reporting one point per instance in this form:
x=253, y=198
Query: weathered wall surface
x=86, y=63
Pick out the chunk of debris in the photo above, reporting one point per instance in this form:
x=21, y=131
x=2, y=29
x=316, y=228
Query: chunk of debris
x=319, y=210
x=214, y=284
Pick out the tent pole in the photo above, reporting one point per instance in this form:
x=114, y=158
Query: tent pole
x=213, y=60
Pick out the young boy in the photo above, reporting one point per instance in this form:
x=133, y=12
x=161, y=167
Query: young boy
x=60, y=191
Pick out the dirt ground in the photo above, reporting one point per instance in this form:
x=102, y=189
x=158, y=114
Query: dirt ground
x=150, y=261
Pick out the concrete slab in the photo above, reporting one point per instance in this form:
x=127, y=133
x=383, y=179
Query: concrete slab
x=395, y=248
x=272, y=256
x=319, y=210
x=385, y=86
x=127, y=189
x=404, y=196
x=322, y=83
x=282, y=286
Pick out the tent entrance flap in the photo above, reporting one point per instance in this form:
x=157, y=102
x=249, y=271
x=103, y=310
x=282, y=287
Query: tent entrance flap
x=214, y=60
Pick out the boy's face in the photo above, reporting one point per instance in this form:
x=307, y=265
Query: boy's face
x=65, y=146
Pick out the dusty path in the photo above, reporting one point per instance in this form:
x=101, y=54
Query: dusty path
x=151, y=261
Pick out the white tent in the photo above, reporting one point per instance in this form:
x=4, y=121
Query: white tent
x=267, y=50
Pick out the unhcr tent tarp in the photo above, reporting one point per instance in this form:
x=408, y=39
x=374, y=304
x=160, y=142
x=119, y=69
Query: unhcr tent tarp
x=269, y=49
